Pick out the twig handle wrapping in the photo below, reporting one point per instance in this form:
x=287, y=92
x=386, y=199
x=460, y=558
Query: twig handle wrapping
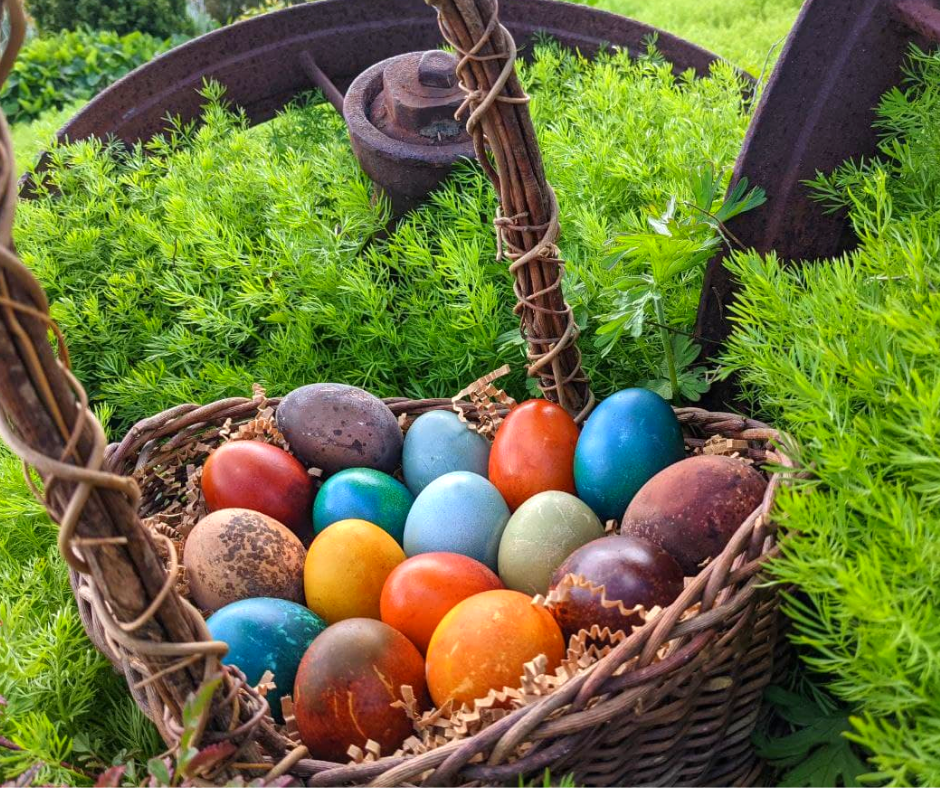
x=527, y=225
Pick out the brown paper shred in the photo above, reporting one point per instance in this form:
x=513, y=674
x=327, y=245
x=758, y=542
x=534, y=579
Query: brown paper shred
x=488, y=402
x=290, y=720
x=371, y=753
x=562, y=592
x=610, y=527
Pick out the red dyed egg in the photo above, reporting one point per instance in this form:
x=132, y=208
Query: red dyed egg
x=261, y=477
x=422, y=590
x=346, y=683
x=632, y=571
x=534, y=452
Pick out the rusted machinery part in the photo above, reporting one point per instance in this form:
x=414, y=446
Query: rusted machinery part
x=816, y=111
x=265, y=61
x=400, y=115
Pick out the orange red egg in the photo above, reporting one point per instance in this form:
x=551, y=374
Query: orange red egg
x=422, y=590
x=484, y=643
x=534, y=452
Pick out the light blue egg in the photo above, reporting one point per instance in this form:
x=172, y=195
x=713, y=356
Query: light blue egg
x=266, y=634
x=629, y=438
x=459, y=512
x=438, y=443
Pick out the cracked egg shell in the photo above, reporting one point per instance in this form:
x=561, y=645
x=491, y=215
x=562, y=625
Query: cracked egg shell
x=632, y=571
x=235, y=554
x=693, y=508
x=346, y=683
x=333, y=427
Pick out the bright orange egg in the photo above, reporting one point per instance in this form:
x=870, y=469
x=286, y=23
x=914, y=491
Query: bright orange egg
x=422, y=590
x=484, y=642
x=534, y=452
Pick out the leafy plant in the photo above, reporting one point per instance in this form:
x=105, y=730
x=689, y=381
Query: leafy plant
x=843, y=355
x=161, y=18
x=652, y=260
x=58, y=70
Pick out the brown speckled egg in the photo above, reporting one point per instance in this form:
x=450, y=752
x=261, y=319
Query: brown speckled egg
x=333, y=427
x=235, y=554
x=692, y=509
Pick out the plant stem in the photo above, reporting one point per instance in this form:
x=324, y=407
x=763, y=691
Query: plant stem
x=667, y=348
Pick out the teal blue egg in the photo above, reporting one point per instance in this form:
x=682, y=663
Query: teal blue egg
x=459, y=512
x=629, y=438
x=439, y=442
x=266, y=634
x=363, y=494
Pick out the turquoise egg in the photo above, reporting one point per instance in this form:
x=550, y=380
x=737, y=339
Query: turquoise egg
x=459, y=512
x=439, y=442
x=628, y=439
x=266, y=634
x=363, y=494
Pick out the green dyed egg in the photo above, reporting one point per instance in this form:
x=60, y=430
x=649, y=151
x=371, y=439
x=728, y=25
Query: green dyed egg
x=266, y=634
x=540, y=535
x=363, y=494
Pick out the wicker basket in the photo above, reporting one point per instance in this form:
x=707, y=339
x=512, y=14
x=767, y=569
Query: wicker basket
x=682, y=719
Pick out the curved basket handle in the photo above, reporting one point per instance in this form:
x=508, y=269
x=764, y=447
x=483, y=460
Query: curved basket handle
x=45, y=419
x=527, y=225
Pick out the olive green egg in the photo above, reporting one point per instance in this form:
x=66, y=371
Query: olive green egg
x=540, y=535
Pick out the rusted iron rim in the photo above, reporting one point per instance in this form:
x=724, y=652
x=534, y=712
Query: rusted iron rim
x=266, y=61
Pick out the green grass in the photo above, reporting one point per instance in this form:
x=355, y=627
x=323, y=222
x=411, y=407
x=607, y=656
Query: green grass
x=845, y=355
x=31, y=139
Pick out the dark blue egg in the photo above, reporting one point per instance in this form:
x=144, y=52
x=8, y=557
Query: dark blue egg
x=458, y=512
x=266, y=634
x=437, y=443
x=628, y=439
x=363, y=494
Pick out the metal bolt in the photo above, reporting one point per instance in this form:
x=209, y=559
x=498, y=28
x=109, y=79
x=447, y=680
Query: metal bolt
x=436, y=69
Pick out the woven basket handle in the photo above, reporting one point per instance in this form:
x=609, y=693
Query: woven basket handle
x=45, y=419
x=527, y=224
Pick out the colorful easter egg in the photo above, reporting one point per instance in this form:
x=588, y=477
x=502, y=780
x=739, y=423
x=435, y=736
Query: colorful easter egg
x=238, y=554
x=541, y=534
x=334, y=427
x=632, y=572
x=264, y=478
x=534, y=452
x=422, y=590
x=694, y=507
x=363, y=494
x=346, y=568
x=484, y=643
x=346, y=685
x=459, y=512
x=263, y=635
x=629, y=438
x=437, y=443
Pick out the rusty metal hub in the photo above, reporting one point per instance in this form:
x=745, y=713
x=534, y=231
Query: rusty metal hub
x=400, y=114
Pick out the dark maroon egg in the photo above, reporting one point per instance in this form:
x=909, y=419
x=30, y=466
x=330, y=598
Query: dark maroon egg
x=632, y=571
x=346, y=685
x=693, y=508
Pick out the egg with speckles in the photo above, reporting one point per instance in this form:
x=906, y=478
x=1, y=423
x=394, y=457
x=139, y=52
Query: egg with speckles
x=629, y=438
x=263, y=635
x=363, y=494
x=333, y=427
x=458, y=512
x=346, y=568
x=235, y=554
x=693, y=508
x=437, y=443
x=540, y=535
x=346, y=685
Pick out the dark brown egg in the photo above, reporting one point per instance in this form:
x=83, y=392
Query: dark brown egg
x=334, y=427
x=346, y=685
x=238, y=554
x=693, y=508
x=633, y=572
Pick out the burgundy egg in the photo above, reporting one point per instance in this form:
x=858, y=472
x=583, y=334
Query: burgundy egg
x=633, y=571
x=693, y=508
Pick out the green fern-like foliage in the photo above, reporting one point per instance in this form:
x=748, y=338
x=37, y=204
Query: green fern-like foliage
x=844, y=355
